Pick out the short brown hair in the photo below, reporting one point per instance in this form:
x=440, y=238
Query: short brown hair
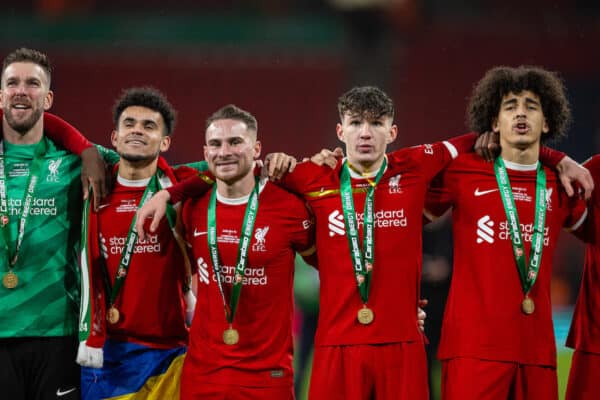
x=24, y=54
x=367, y=101
x=484, y=105
x=232, y=111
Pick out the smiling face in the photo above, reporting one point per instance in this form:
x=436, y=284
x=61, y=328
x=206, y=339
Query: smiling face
x=25, y=95
x=366, y=139
x=520, y=121
x=230, y=150
x=140, y=135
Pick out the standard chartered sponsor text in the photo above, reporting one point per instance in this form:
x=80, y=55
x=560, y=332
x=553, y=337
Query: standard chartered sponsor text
x=526, y=232
x=385, y=218
x=252, y=276
x=39, y=206
x=149, y=245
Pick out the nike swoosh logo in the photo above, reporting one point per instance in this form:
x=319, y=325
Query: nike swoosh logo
x=60, y=393
x=196, y=233
x=481, y=193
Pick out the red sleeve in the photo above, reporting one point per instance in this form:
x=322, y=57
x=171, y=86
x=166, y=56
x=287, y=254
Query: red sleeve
x=588, y=232
x=463, y=143
x=65, y=134
x=192, y=187
x=551, y=157
x=437, y=200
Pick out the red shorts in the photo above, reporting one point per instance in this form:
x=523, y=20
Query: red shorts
x=475, y=379
x=584, y=376
x=217, y=391
x=358, y=372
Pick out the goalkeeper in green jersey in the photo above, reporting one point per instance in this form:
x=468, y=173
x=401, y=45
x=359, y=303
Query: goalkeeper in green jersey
x=40, y=216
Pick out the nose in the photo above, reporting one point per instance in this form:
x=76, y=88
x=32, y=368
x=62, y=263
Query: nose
x=224, y=149
x=20, y=89
x=365, y=130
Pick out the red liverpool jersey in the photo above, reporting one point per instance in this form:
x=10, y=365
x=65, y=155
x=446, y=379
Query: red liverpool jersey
x=585, y=328
x=395, y=280
x=483, y=316
x=263, y=355
x=151, y=300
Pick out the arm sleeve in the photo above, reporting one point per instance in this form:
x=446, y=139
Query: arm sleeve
x=65, y=134
x=109, y=156
x=437, y=199
x=192, y=187
x=551, y=157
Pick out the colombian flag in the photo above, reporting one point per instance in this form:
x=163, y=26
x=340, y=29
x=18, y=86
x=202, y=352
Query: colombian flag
x=133, y=371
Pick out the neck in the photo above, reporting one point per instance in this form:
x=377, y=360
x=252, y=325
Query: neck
x=526, y=156
x=239, y=188
x=366, y=168
x=33, y=136
x=135, y=170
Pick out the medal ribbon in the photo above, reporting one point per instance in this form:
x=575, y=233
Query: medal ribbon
x=528, y=274
x=243, y=247
x=362, y=263
x=34, y=174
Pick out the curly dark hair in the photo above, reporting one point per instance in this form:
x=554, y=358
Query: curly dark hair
x=368, y=101
x=24, y=54
x=235, y=113
x=485, y=101
x=148, y=97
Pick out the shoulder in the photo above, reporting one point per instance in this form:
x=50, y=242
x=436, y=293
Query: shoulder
x=282, y=202
x=308, y=177
x=183, y=172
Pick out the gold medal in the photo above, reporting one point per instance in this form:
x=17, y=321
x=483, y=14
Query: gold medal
x=112, y=315
x=231, y=336
x=365, y=315
x=528, y=306
x=10, y=280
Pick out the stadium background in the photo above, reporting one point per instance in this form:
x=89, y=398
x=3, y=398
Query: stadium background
x=287, y=61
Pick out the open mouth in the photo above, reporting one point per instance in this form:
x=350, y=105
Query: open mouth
x=521, y=127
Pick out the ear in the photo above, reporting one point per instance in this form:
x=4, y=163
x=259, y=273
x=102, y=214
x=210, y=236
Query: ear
x=339, y=130
x=393, y=134
x=165, y=143
x=48, y=99
x=205, y=152
x=257, y=149
x=545, y=127
x=113, y=138
x=495, y=126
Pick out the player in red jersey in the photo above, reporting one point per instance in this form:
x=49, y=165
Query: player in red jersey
x=367, y=342
x=135, y=308
x=584, y=335
x=499, y=210
x=253, y=229
x=378, y=336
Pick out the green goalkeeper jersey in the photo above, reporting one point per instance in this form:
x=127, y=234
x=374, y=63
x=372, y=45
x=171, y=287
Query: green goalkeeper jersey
x=46, y=299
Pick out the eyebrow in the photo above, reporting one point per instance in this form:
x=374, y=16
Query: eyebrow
x=143, y=121
x=528, y=100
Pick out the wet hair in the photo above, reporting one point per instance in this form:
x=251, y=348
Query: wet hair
x=146, y=97
x=486, y=98
x=235, y=113
x=367, y=101
x=24, y=54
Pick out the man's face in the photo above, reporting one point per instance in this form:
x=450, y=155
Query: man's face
x=366, y=138
x=230, y=150
x=25, y=95
x=520, y=121
x=140, y=135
